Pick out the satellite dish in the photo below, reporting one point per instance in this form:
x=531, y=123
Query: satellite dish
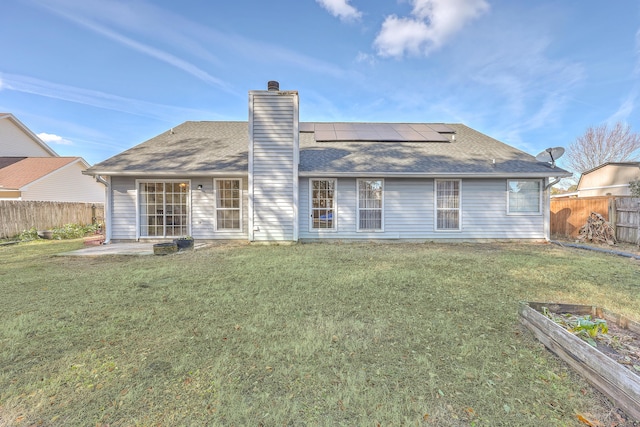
x=550, y=155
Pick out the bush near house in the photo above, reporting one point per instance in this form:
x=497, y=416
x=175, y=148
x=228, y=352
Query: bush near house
x=67, y=231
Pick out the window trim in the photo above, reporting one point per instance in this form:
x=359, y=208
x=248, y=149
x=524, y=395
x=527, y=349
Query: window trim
x=540, y=191
x=435, y=207
x=216, y=208
x=333, y=229
x=369, y=230
x=139, y=234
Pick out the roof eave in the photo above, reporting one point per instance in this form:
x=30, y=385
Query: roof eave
x=305, y=174
x=433, y=174
x=107, y=172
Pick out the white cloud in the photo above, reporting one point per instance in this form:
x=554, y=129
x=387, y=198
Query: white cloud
x=107, y=101
x=432, y=24
x=144, y=20
x=341, y=9
x=50, y=138
x=84, y=18
x=365, y=58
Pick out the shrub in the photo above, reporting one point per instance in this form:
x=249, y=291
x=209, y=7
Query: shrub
x=634, y=186
x=26, y=235
x=67, y=231
x=74, y=231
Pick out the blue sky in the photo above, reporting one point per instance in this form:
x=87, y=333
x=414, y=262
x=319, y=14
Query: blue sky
x=95, y=77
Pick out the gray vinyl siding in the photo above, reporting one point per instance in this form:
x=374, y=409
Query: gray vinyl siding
x=274, y=166
x=202, y=212
x=124, y=208
x=409, y=212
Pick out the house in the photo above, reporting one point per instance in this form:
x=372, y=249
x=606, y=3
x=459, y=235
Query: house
x=611, y=178
x=31, y=170
x=272, y=178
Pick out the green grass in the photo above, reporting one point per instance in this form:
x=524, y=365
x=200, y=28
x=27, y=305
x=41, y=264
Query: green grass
x=317, y=334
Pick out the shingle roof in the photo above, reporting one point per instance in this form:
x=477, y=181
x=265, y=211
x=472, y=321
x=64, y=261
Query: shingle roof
x=191, y=148
x=629, y=164
x=17, y=174
x=222, y=148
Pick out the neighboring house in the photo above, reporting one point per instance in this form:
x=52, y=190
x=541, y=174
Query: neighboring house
x=275, y=179
x=609, y=179
x=31, y=170
x=53, y=179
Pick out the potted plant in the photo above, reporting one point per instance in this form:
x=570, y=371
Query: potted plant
x=184, y=243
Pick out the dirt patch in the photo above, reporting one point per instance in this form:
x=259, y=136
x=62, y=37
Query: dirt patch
x=620, y=344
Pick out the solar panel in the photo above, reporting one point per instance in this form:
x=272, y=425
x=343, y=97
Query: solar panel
x=381, y=132
x=441, y=128
x=306, y=127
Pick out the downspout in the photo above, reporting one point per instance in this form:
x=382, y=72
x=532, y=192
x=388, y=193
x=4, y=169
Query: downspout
x=107, y=208
x=552, y=183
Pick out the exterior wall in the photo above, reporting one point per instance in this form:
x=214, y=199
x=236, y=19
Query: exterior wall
x=123, y=214
x=202, y=210
x=15, y=143
x=67, y=184
x=273, y=165
x=409, y=212
x=609, y=179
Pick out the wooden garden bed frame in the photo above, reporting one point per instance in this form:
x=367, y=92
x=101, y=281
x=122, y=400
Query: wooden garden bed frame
x=614, y=380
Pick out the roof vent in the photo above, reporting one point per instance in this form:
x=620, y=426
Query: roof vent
x=273, y=85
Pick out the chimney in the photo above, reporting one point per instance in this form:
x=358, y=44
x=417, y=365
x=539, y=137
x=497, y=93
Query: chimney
x=273, y=85
x=273, y=164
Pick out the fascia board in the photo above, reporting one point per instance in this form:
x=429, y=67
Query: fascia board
x=432, y=175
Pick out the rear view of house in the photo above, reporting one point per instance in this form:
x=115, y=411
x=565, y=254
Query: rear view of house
x=273, y=178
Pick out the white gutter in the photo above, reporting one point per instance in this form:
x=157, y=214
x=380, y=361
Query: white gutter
x=185, y=174
x=107, y=207
x=430, y=175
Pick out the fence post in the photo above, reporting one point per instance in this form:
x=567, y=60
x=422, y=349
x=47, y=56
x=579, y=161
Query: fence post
x=638, y=229
x=613, y=215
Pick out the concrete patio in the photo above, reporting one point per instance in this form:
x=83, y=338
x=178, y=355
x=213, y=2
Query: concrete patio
x=135, y=248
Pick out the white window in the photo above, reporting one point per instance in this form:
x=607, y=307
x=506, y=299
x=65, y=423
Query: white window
x=228, y=204
x=370, y=204
x=323, y=204
x=163, y=208
x=447, y=205
x=524, y=197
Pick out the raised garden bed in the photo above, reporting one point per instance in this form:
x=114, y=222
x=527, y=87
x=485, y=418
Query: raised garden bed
x=601, y=367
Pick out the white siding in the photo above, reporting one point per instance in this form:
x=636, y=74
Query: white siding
x=124, y=208
x=66, y=184
x=15, y=143
x=273, y=165
x=203, y=211
x=201, y=215
x=409, y=212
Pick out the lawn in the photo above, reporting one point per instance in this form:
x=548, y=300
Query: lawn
x=309, y=334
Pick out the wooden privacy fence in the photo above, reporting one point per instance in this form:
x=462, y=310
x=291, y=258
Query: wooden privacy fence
x=627, y=219
x=569, y=214
x=17, y=216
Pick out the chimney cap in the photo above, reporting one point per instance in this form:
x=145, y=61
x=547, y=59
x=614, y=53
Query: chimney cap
x=273, y=85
